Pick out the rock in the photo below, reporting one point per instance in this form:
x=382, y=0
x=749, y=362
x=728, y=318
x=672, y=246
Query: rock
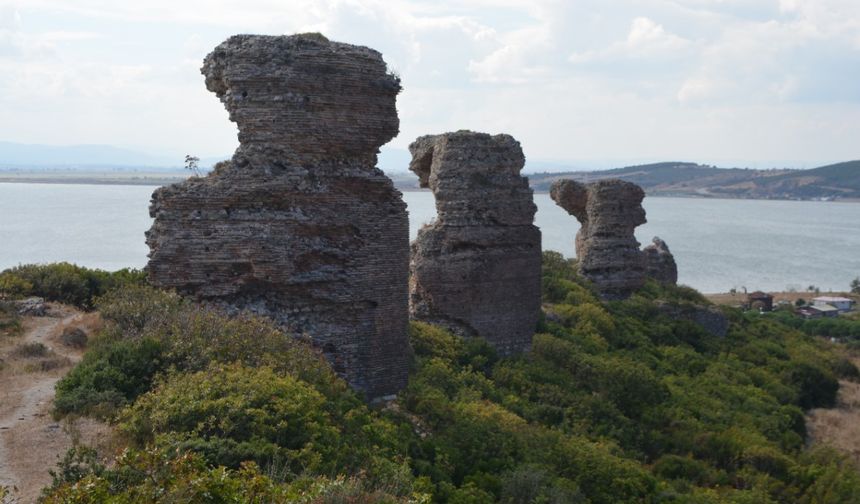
x=710, y=318
x=606, y=249
x=659, y=262
x=74, y=337
x=301, y=226
x=32, y=307
x=477, y=269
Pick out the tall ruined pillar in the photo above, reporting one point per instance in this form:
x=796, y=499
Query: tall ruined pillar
x=301, y=226
x=606, y=248
x=476, y=269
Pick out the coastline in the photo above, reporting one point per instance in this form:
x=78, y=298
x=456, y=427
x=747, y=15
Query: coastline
x=156, y=179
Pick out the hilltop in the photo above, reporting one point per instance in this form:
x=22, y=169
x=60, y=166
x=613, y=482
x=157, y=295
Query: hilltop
x=837, y=181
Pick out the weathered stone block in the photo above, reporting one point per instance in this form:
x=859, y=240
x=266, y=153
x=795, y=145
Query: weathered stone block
x=476, y=269
x=301, y=226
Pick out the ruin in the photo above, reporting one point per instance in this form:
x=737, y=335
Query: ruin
x=300, y=226
x=606, y=249
x=476, y=269
x=660, y=263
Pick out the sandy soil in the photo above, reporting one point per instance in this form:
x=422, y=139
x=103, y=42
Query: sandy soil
x=30, y=440
x=729, y=299
x=839, y=427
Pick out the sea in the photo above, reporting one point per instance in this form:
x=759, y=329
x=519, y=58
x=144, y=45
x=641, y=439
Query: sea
x=719, y=244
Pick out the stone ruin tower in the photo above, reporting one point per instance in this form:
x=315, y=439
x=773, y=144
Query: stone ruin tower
x=606, y=248
x=300, y=226
x=477, y=269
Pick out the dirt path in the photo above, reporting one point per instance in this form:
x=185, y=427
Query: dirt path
x=30, y=440
x=839, y=427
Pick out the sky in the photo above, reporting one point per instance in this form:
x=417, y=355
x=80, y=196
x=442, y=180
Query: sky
x=587, y=83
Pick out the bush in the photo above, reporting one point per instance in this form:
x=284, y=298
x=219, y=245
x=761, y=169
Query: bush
x=65, y=283
x=109, y=377
x=13, y=286
x=817, y=387
x=30, y=350
x=157, y=476
x=232, y=414
x=147, y=331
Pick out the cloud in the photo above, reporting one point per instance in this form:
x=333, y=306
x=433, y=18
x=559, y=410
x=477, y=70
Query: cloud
x=645, y=40
x=570, y=78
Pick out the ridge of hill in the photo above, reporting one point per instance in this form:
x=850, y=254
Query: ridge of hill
x=837, y=181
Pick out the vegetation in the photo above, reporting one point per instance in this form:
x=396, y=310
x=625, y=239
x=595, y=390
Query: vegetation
x=837, y=327
x=617, y=402
x=64, y=282
x=855, y=285
x=10, y=322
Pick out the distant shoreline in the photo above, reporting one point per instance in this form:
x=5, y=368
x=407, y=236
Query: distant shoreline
x=156, y=180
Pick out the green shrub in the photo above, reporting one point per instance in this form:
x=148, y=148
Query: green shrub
x=817, y=387
x=13, y=286
x=65, y=283
x=147, y=331
x=110, y=376
x=232, y=414
x=157, y=476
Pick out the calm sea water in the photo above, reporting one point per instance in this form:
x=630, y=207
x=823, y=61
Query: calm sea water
x=718, y=244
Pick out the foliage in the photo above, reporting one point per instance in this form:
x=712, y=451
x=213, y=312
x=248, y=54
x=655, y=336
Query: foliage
x=192, y=164
x=837, y=327
x=30, y=350
x=65, y=283
x=616, y=402
x=855, y=285
x=232, y=413
x=149, y=331
x=10, y=322
x=150, y=476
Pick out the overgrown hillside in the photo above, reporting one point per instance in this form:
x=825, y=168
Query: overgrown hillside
x=616, y=403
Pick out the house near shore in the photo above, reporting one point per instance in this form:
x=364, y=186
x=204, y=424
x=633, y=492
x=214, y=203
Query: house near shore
x=825, y=310
x=808, y=313
x=842, y=304
x=760, y=301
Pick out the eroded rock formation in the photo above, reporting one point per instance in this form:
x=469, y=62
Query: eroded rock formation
x=476, y=269
x=710, y=318
x=607, y=251
x=660, y=263
x=300, y=226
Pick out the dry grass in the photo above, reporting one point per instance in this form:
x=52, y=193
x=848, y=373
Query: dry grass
x=839, y=427
x=29, y=351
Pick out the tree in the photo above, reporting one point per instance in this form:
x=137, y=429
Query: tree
x=855, y=285
x=192, y=164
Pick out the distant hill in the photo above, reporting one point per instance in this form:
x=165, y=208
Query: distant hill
x=16, y=155
x=838, y=181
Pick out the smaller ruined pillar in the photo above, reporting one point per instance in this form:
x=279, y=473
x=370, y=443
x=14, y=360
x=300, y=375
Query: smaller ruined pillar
x=660, y=263
x=606, y=249
x=476, y=270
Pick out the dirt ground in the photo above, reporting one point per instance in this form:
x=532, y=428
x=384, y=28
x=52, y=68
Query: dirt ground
x=726, y=298
x=31, y=441
x=839, y=427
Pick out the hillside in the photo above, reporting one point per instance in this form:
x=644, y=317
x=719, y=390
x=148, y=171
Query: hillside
x=838, y=181
x=617, y=402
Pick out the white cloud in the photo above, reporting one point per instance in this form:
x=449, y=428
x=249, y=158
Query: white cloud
x=645, y=40
x=569, y=78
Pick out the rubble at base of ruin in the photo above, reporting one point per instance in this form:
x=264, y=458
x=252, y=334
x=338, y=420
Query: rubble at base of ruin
x=606, y=249
x=477, y=268
x=301, y=226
